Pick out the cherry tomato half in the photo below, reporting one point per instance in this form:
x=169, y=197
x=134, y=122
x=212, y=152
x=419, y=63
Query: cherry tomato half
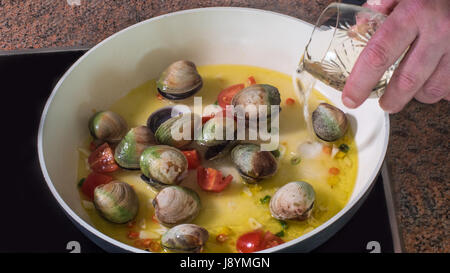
x=257, y=240
x=227, y=94
x=192, y=159
x=210, y=179
x=271, y=240
x=92, y=181
x=250, y=242
x=102, y=159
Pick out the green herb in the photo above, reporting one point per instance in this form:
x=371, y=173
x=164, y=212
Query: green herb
x=344, y=148
x=276, y=153
x=295, y=160
x=80, y=183
x=265, y=199
x=283, y=224
x=280, y=234
x=216, y=103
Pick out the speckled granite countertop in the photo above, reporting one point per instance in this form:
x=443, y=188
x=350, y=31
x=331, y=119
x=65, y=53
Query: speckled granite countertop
x=418, y=153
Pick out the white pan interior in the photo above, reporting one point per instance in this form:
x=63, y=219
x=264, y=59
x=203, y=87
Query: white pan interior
x=140, y=52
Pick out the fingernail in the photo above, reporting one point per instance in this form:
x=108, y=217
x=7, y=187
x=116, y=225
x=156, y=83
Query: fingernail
x=348, y=102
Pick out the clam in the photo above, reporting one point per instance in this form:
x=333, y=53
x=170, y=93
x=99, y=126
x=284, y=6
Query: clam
x=116, y=201
x=179, y=81
x=256, y=95
x=252, y=163
x=172, y=131
x=293, y=201
x=107, y=126
x=219, y=151
x=130, y=148
x=163, y=114
x=329, y=122
x=214, y=131
x=164, y=164
x=175, y=205
x=185, y=238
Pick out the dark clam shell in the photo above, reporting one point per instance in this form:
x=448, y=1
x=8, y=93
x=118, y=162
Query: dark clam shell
x=219, y=151
x=162, y=115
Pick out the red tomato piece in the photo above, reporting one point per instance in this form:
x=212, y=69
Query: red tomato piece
x=251, y=81
x=210, y=179
x=271, y=240
x=92, y=181
x=250, y=242
x=102, y=159
x=290, y=101
x=334, y=171
x=257, y=240
x=192, y=158
x=133, y=235
x=227, y=94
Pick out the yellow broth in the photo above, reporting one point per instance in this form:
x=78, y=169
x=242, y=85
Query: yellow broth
x=238, y=209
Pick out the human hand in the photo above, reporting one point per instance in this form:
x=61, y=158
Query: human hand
x=424, y=73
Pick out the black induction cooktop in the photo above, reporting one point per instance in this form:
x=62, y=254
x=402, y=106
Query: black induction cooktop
x=32, y=220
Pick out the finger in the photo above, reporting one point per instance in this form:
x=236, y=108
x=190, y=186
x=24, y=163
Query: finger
x=412, y=73
x=387, y=45
x=383, y=6
x=438, y=85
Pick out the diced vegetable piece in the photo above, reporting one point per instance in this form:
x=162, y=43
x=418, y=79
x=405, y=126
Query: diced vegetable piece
x=92, y=181
x=334, y=171
x=102, y=159
x=295, y=160
x=251, y=81
x=80, y=183
x=265, y=199
x=133, y=235
x=227, y=94
x=280, y=233
x=344, y=148
x=290, y=101
x=192, y=158
x=326, y=149
x=221, y=238
x=210, y=179
x=283, y=224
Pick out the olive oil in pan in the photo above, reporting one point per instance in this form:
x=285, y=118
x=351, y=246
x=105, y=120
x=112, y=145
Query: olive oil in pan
x=238, y=209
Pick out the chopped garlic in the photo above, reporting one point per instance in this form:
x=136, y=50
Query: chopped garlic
x=247, y=191
x=142, y=223
x=334, y=151
x=88, y=205
x=282, y=150
x=254, y=224
x=86, y=164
